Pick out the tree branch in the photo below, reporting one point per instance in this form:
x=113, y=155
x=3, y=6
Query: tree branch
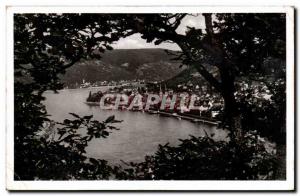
x=178, y=21
x=209, y=27
x=201, y=69
x=208, y=76
x=76, y=59
x=181, y=41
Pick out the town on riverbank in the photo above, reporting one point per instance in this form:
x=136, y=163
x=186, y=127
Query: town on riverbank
x=198, y=104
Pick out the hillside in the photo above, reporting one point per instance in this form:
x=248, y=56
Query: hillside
x=189, y=75
x=125, y=64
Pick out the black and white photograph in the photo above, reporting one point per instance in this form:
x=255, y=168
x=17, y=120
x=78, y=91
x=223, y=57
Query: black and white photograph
x=193, y=96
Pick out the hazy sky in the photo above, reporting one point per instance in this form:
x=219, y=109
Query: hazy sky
x=135, y=41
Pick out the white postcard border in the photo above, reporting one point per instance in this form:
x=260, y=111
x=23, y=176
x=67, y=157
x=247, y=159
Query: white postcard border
x=287, y=184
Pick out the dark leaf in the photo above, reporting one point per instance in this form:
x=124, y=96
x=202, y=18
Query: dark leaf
x=75, y=115
x=110, y=119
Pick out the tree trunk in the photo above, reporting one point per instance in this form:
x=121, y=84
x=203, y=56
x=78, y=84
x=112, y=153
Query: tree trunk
x=225, y=87
x=233, y=116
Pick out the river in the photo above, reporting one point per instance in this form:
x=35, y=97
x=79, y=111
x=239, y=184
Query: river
x=139, y=134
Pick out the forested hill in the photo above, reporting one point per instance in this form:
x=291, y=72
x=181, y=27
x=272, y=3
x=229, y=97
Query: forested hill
x=148, y=64
x=125, y=64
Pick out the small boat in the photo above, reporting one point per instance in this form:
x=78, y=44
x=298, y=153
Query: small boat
x=152, y=112
x=176, y=115
x=197, y=120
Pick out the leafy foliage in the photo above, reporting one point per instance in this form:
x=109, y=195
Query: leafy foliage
x=63, y=157
x=266, y=116
x=203, y=158
x=46, y=45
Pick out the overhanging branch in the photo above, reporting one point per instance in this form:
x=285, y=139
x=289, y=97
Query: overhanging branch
x=208, y=76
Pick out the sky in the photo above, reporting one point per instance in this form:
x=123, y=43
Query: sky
x=135, y=41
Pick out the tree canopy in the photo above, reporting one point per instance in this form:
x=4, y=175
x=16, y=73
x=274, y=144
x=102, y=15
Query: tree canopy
x=45, y=45
x=236, y=44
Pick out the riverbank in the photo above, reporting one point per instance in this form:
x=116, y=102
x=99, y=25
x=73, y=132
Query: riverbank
x=179, y=116
x=192, y=118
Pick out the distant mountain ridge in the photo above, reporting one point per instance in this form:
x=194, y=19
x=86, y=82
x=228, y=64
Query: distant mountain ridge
x=125, y=64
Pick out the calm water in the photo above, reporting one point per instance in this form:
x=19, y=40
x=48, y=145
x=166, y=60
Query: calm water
x=139, y=134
